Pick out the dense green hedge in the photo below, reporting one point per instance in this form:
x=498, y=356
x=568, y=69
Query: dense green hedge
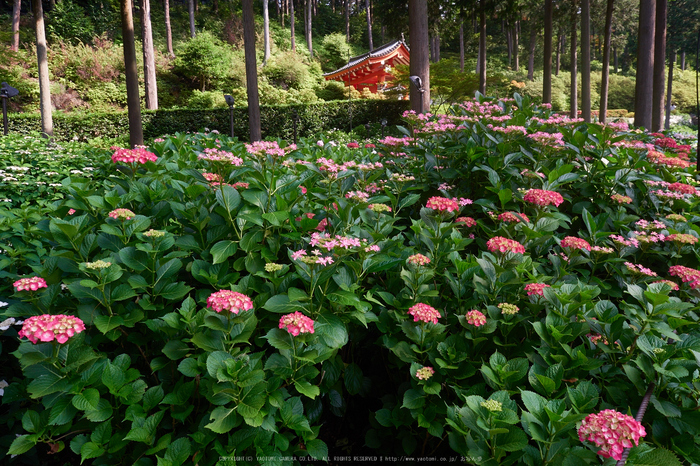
x=276, y=120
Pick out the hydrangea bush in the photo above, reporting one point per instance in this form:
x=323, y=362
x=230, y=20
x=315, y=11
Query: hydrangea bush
x=502, y=284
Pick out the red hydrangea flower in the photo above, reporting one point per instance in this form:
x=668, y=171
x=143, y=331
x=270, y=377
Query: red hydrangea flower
x=543, y=197
x=688, y=275
x=138, y=155
x=536, y=288
x=476, y=318
x=501, y=244
x=511, y=217
x=611, y=431
x=573, y=242
x=418, y=259
x=442, y=204
x=49, y=328
x=296, y=323
x=682, y=188
x=468, y=221
x=425, y=313
x=230, y=300
x=122, y=214
x=353, y=145
x=30, y=284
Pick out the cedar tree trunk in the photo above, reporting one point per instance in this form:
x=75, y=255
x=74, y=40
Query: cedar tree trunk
x=644, y=86
x=132, y=78
x=586, y=60
x=266, y=31
x=149, y=61
x=605, y=81
x=547, y=78
x=168, y=30
x=657, y=104
x=420, y=63
x=43, y=64
x=251, y=70
x=573, y=110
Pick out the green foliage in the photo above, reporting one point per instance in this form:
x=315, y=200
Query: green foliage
x=331, y=90
x=206, y=99
x=334, y=52
x=204, y=59
x=289, y=71
x=68, y=22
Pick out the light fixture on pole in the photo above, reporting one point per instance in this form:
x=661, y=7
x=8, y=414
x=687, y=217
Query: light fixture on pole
x=418, y=82
x=230, y=101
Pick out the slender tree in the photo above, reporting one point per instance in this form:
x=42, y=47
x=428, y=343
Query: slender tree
x=644, y=85
x=461, y=45
x=669, y=92
x=420, y=60
x=251, y=70
x=149, y=61
x=347, y=21
x=309, y=41
x=531, y=56
x=573, y=112
x=190, y=9
x=586, y=60
x=168, y=29
x=43, y=65
x=604, y=82
x=547, y=78
x=132, y=78
x=16, y=9
x=516, y=46
x=291, y=24
x=482, y=46
x=369, y=26
x=658, y=86
x=266, y=31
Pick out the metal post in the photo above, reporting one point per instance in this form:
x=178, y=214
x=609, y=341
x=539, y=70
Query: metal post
x=4, y=112
x=383, y=126
x=230, y=101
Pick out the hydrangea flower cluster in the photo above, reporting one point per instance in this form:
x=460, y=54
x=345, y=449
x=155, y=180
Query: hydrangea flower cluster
x=97, y=265
x=442, y=204
x=424, y=313
x=682, y=188
x=49, y=328
x=379, y=208
x=536, y=288
x=122, y=214
x=217, y=155
x=492, y=405
x=687, y=275
x=30, y=284
x=640, y=269
x=508, y=309
x=573, y=242
x=213, y=177
x=543, y=197
x=620, y=199
x=682, y=238
x=611, y=431
x=418, y=259
x=296, y=323
x=513, y=217
x=503, y=245
x=137, y=155
x=424, y=373
x=230, y=300
x=154, y=233
x=268, y=147
x=476, y=318
x=674, y=286
x=468, y=221
x=271, y=267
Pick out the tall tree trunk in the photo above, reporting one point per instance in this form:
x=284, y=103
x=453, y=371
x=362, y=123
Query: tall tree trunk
x=251, y=70
x=347, y=21
x=266, y=31
x=291, y=23
x=516, y=46
x=419, y=64
x=669, y=91
x=682, y=60
x=606, y=62
x=132, y=77
x=657, y=106
x=190, y=8
x=383, y=33
x=149, y=61
x=586, y=60
x=437, y=46
x=461, y=45
x=216, y=6
x=547, y=78
x=531, y=56
x=43, y=65
x=168, y=30
x=573, y=110
x=369, y=26
x=509, y=45
x=482, y=46
x=16, y=9
x=644, y=85
x=309, y=42
x=615, y=59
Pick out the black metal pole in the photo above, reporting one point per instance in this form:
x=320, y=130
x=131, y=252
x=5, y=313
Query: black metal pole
x=4, y=114
x=231, y=113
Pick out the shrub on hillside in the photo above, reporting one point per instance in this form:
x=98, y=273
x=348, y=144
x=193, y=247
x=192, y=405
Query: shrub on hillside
x=289, y=71
x=334, y=52
x=206, y=99
x=205, y=60
x=331, y=90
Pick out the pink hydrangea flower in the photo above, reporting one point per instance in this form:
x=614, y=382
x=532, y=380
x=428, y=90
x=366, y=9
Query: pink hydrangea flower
x=49, y=328
x=543, y=197
x=536, y=288
x=122, y=214
x=353, y=145
x=687, y=275
x=425, y=372
x=442, y=204
x=137, y=155
x=611, y=431
x=573, y=242
x=296, y=323
x=425, y=313
x=673, y=285
x=468, y=221
x=418, y=259
x=71, y=211
x=620, y=199
x=30, y=284
x=230, y=300
x=476, y=318
x=501, y=244
x=512, y=217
